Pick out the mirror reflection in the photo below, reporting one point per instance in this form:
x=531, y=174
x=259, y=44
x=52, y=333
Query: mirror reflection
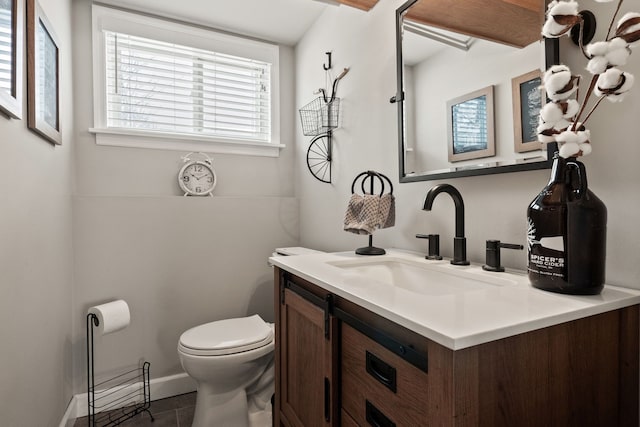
x=471, y=97
x=6, y=45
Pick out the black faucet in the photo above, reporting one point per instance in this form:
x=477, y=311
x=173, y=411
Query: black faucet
x=459, y=241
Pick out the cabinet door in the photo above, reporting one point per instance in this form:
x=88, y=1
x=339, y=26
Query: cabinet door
x=307, y=367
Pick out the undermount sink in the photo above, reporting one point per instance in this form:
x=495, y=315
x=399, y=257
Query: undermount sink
x=426, y=278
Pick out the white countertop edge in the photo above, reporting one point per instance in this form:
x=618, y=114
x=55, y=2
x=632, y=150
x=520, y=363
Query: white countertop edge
x=461, y=342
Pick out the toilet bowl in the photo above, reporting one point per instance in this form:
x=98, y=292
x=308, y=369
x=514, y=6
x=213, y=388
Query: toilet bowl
x=231, y=361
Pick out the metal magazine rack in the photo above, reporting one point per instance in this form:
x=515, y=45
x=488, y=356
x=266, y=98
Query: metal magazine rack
x=119, y=398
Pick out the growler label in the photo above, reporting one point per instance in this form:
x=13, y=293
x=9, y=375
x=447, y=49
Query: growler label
x=546, y=254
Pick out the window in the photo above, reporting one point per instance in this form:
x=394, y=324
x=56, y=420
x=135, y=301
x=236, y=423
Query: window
x=160, y=84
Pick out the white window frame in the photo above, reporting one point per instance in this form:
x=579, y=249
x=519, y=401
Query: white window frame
x=117, y=20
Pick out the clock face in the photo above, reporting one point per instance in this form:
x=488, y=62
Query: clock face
x=197, y=178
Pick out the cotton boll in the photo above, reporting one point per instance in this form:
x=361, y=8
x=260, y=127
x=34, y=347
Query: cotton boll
x=618, y=52
x=617, y=43
x=551, y=113
x=629, y=28
x=562, y=8
x=618, y=57
x=551, y=29
x=562, y=125
x=569, y=149
x=545, y=138
x=614, y=84
x=561, y=16
x=597, y=65
x=559, y=83
x=606, y=54
x=569, y=136
x=547, y=131
x=571, y=108
x=597, y=49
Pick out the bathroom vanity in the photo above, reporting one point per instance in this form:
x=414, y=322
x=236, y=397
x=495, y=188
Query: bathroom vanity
x=397, y=340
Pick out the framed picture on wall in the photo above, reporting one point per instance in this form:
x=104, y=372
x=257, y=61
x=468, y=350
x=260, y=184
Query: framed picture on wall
x=11, y=44
x=43, y=75
x=470, y=126
x=528, y=98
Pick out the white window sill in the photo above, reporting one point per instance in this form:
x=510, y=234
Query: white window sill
x=165, y=141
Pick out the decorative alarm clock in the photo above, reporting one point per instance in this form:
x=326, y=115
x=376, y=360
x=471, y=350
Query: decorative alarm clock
x=197, y=177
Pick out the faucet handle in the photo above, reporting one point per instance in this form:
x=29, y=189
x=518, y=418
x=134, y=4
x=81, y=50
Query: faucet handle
x=434, y=245
x=493, y=254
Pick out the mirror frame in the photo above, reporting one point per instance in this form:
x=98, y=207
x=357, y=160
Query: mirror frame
x=551, y=57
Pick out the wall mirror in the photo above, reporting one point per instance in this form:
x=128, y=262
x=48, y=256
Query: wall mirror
x=448, y=51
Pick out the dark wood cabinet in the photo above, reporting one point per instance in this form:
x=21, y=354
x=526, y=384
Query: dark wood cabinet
x=340, y=364
x=306, y=368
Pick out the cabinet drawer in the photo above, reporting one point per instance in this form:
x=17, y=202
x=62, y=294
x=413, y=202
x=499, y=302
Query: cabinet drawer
x=377, y=383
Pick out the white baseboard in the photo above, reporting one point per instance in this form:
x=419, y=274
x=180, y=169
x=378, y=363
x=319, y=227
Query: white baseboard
x=161, y=388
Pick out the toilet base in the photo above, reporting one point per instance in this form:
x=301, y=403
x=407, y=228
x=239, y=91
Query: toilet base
x=220, y=410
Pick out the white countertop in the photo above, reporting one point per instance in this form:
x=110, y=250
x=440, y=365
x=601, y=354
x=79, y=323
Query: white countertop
x=461, y=318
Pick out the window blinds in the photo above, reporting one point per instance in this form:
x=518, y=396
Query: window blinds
x=470, y=120
x=6, y=46
x=164, y=87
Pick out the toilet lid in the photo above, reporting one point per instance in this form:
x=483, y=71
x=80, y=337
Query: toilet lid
x=227, y=336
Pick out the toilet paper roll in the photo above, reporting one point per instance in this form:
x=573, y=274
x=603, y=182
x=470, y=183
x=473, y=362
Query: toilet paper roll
x=112, y=316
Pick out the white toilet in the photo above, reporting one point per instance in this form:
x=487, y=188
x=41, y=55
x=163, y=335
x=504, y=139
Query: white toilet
x=231, y=361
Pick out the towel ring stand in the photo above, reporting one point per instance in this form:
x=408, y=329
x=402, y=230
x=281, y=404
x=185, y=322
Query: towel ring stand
x=370, y=175
x=373, y=177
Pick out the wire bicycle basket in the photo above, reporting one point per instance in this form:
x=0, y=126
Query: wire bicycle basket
x=320, y=116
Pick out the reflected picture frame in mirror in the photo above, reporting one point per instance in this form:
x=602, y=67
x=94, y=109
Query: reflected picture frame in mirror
x=483, y=166
x=12, y=29
x=528, y=99
x=476, y=141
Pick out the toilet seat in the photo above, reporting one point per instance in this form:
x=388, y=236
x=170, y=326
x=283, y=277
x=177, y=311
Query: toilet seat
x=228, y=336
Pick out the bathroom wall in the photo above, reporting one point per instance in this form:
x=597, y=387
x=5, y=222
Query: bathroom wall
x=177, y=261
x=36, y=257
x=495, y=205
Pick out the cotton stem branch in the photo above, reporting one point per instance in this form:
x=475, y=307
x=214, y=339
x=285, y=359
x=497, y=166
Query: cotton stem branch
x=592, y=86
x=613, y=19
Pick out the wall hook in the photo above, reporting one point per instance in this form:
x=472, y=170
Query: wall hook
x=325, y=66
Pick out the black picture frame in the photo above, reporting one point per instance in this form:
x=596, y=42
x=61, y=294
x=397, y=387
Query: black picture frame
x=12, y=27
x=43, y=75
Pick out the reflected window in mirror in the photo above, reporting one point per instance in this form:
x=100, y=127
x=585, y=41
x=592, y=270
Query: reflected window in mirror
x=11, y=45
x=440, y=62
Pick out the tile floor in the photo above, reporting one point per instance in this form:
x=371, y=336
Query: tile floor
x=174, y=411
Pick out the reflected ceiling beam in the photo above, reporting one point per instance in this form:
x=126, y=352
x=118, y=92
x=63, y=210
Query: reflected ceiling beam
x=459, y=41
x=511, y=22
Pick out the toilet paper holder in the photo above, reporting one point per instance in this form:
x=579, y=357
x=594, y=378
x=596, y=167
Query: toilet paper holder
x=108, y=401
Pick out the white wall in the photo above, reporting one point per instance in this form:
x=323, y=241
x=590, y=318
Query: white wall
x=495, y=205
x=35, y=256
x=177, y=261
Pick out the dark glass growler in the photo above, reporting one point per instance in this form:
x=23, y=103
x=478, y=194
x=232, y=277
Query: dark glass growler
x=567, y=233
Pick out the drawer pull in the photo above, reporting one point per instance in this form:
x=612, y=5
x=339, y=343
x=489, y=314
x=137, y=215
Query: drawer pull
x=376, y=418
x=381, y=371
